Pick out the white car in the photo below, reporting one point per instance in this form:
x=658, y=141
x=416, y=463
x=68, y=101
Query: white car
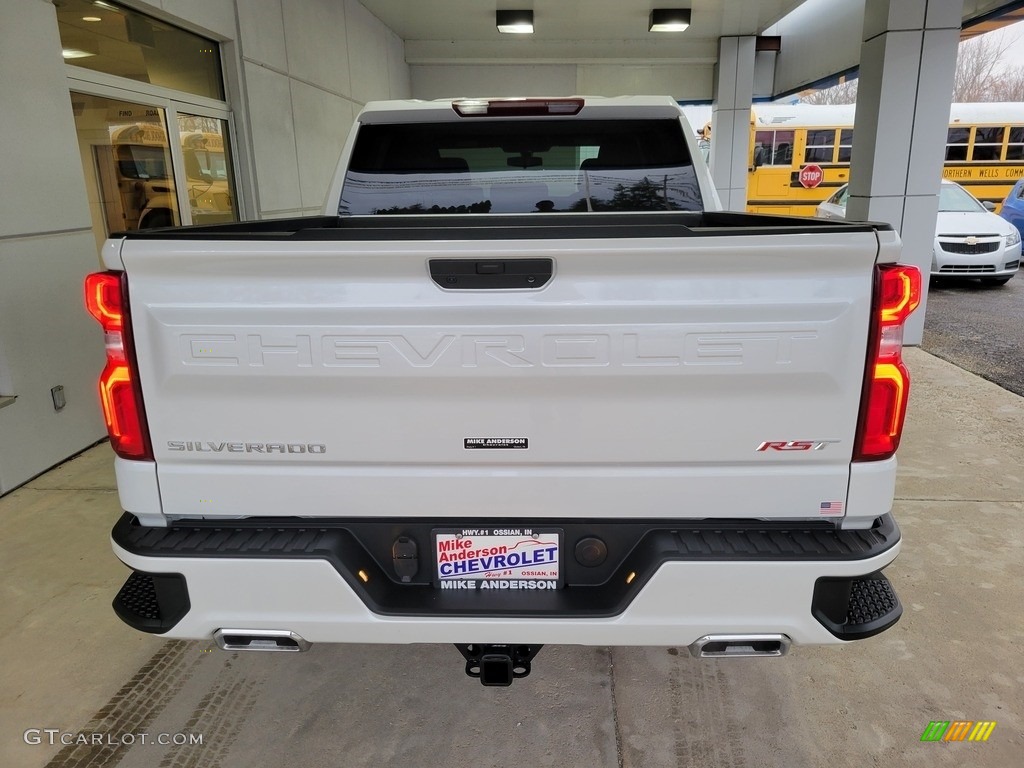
x=970, y=240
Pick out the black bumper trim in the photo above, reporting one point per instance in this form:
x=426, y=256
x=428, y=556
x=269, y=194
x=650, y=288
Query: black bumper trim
x=635, y=552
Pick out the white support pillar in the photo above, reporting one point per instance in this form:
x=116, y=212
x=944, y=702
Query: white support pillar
x=730, y=120
x=908, y=59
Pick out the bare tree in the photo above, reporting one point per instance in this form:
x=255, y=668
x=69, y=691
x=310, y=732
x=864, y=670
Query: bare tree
x=1009, y=85
x=977, y=68
x=843, y=93
x=978, y=76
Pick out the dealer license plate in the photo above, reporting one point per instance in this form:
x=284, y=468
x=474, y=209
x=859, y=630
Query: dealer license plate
x=498, y=558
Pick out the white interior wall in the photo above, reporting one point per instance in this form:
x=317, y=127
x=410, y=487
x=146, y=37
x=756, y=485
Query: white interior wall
x=684, y=82
x=46, y=248
x=297, y=71
x=439, y=81
x=307, y=67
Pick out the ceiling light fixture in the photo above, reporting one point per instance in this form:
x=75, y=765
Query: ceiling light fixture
x=515, y=22
x=76, y=53
x=91, y=18
x=669, y=20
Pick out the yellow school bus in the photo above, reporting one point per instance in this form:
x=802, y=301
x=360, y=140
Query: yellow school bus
x=984, y=153
x=138, y=182
x=207, y=171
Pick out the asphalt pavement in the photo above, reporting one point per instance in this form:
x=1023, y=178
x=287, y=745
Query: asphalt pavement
x=979, y=328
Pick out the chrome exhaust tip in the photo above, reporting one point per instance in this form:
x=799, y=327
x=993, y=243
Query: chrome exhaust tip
x=260, y=640
x=740, y=646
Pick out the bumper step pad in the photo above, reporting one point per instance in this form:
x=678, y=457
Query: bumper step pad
x=852, y=609
x=152, y=602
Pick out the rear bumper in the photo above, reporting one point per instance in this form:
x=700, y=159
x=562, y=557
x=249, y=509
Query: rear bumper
x=690, y=579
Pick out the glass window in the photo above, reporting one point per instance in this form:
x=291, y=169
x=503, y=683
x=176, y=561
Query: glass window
x=783, y=154
x=956, y=143
x=820, y=146
x=953, y=197
x=209, y=177
x=520, y=167
x=130, y=173
x=773, y=148
x=106, y=37
x=127, y=162
x=845, y=145
x=840, y=197
x=763, y=148
x=1015, y=145
x=988, y=143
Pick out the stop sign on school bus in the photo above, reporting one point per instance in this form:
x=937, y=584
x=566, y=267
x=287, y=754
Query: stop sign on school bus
x=811, y=176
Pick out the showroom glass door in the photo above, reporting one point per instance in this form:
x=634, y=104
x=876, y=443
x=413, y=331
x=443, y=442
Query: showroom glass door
x=127, y=162
x=141, y=175
x=154, y=131
x=208, y=170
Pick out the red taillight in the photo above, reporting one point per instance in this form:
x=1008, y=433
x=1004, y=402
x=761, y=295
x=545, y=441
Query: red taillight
x=103, y=299
x=883, y=406
x=899, y=293
x=120, y=395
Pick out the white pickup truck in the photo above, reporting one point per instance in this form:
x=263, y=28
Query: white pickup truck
x=522, y=384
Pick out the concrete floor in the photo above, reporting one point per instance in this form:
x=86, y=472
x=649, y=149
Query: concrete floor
x=69, y=664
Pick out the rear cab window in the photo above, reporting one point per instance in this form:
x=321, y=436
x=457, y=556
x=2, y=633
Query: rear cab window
x=520, y=167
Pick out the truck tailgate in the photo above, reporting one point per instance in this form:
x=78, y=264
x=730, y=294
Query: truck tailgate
x=702, y=377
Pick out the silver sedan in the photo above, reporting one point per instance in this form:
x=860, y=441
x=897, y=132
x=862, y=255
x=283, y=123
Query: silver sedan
x=970, y=240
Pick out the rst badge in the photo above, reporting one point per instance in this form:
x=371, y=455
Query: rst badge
x=796, y=445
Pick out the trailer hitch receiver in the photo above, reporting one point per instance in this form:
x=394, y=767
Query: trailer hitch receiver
x=496, y=664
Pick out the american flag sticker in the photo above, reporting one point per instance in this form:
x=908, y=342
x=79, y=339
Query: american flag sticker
x=831, y=508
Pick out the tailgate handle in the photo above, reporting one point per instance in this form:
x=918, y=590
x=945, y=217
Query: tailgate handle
x=491, y=273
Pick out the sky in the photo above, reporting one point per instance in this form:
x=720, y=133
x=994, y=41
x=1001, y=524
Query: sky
x=1014, y=35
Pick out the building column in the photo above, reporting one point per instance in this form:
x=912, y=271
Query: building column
x=730, y=120
x=907, y=64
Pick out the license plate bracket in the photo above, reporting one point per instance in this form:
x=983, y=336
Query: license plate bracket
x=506, y=559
